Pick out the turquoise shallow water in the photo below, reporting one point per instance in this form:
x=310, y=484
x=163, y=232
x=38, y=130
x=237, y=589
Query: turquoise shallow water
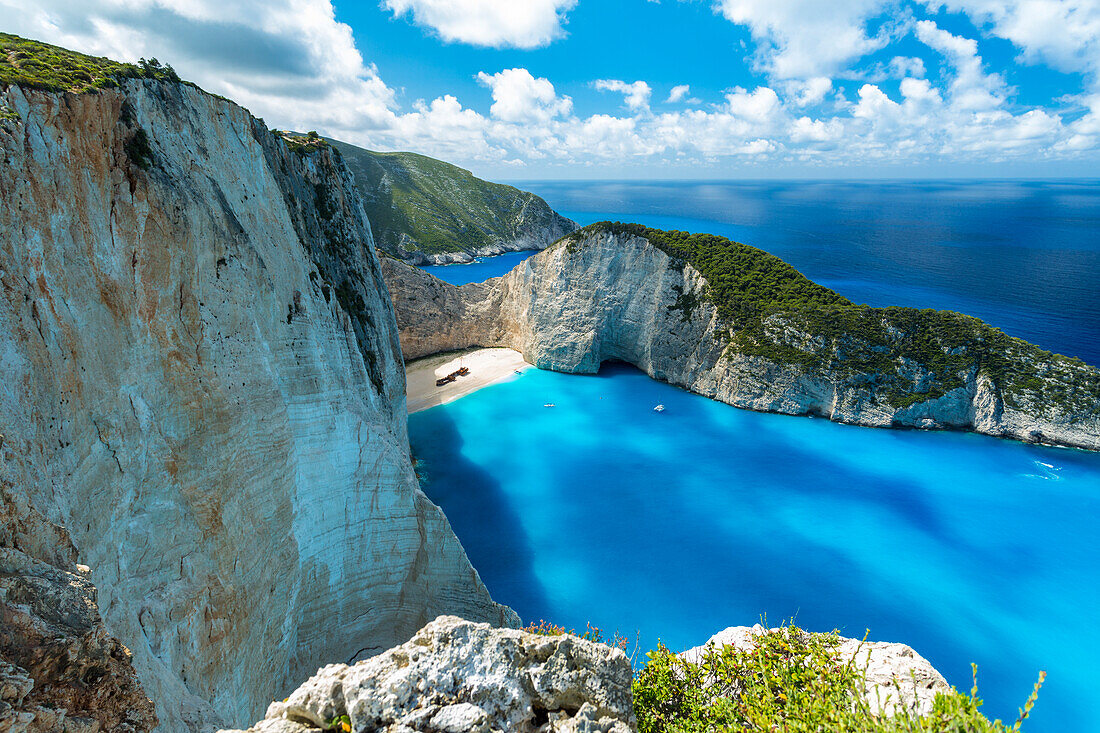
x=478, y=270
x=677, y=524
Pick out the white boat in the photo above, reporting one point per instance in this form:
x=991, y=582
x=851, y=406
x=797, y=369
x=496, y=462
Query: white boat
x=549, y=404
x=659, y=408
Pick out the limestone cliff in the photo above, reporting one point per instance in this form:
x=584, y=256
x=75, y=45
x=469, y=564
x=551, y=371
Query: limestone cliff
x=203, y=387
x=607, y=294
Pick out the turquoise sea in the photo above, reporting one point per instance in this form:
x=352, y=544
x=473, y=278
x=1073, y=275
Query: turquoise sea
x=674, y=525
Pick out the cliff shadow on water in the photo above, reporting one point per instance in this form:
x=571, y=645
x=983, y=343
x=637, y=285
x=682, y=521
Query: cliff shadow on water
x=480, y=512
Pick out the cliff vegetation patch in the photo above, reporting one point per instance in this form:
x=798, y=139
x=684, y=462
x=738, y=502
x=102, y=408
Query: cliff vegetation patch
x=38, y=65
x=791, y=681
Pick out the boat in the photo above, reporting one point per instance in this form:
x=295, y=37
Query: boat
x=549, y=404
x=659, y=408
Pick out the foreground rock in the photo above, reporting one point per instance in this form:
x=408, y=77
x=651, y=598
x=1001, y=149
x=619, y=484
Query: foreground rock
x=898, y=679
x=201, y=382
x=603, y=295
x=455, y=676
x=60, y=669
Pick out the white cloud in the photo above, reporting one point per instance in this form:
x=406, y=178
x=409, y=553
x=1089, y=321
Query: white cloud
x=800, y=39
x=678, y=93
x=971, y=87
x=903, y=66
x=809, y=92
x=759, y=105
x=805, y=130
x=291, y=62
x=635, y=95
x=1064, y=33
x=520, y=97
x=494, y=23
x=283, y=59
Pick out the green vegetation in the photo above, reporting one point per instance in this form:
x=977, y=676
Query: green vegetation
x=302, y=144
x=592, y=633
x=773, y=311
x=39, y=65
x=791, y=681
x=418, y=203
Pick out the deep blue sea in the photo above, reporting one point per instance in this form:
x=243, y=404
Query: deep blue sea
x=674, y=525
x=1024, y=256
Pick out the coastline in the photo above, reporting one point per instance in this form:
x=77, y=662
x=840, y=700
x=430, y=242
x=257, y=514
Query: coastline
x=487, y=366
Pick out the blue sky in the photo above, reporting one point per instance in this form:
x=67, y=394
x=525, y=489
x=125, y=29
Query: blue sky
x=641, y=89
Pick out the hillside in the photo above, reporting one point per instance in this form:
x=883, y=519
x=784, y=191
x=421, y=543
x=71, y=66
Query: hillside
x=425, y=210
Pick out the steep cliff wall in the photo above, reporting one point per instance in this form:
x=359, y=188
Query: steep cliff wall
x=202, y=385
x=600, y=295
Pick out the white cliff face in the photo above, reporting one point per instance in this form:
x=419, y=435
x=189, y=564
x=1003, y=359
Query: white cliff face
x=605, y=296
x=203, y=384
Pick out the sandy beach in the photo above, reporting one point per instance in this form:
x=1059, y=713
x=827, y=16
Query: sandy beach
x=486, y=367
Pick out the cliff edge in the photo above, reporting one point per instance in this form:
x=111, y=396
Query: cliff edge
x=736, y=324
x=203, y=388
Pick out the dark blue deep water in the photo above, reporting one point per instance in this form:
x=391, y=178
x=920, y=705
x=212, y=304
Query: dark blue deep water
x=674, y=525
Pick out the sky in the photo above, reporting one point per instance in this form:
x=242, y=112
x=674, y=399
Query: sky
x=640, y=89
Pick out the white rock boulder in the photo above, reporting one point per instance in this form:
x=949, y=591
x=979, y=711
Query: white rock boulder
x=455, y=675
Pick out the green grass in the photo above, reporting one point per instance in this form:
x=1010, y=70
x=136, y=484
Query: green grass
x=302, y=144
x=420, y=203
x=771, y=310
x=38, y=65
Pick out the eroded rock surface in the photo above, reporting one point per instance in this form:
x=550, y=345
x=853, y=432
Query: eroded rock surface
x=602, y=296
x=455, y=676
x=202, y=384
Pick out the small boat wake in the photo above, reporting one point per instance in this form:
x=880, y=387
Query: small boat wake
x=1045, y=472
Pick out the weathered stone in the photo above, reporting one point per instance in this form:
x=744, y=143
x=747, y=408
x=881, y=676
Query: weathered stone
x=457, y=676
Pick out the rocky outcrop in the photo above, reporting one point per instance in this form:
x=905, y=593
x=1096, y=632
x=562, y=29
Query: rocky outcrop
x=60, y=670
x=454, y=676
x=897, y=679
x=600, y=296
x=462, y=677
x=203, y=387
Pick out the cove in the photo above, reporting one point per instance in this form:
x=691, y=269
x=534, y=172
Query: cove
x=480, y=269
x=674, y=525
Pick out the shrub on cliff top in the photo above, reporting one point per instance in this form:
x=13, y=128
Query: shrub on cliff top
x=790, y=682
x=42, y=66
